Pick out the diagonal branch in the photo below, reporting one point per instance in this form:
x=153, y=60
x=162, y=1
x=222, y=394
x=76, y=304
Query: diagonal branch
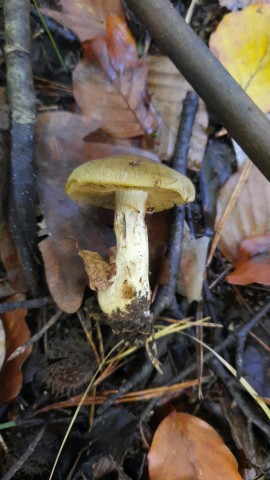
x=224, y=97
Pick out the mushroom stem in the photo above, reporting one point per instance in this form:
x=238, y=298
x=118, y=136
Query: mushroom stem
x=129, y=291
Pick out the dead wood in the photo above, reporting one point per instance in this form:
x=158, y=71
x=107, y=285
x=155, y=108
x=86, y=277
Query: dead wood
x=22, y=196
x=243, y=120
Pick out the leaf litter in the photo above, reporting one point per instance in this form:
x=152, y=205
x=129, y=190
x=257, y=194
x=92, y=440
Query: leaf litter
x=119, y=100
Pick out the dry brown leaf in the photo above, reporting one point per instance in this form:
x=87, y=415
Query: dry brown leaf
x=10, y=259
x=4, y=110
x=185, y=447
x=237, y=4
x=59, y=150
x=17, y=333
x=2, y=344
x=250, y=215
x=112, y=94
x=97, y=270
x=86, y=18
x=192, y=266
x=253, y=262
x=168, y=89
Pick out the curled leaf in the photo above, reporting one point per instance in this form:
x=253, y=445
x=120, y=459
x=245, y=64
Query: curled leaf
x=97, y=270
x=253, y=262
x=187, y=448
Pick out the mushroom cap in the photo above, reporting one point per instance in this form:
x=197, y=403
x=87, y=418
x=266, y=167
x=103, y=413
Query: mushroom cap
x=96, y=182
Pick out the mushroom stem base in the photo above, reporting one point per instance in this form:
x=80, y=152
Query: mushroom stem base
x=128, y=296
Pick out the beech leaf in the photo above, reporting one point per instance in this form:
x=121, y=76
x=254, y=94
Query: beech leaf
x=253, y=262
x=185, y=447
x=237, y=4
x=241, y=43
x=110, y=90
x=168, y=89
x=97, y=270
x=86, y=18
x=251, y=213
x=59, y=149
x=16, y=334
x=2, y=344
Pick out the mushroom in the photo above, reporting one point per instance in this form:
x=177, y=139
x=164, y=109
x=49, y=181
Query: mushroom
x=132, y=186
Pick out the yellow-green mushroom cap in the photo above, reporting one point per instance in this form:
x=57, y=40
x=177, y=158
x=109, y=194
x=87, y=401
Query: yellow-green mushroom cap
x=96, y=182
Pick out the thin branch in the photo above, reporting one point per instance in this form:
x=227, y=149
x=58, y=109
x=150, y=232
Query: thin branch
x=243, y=120
x=22, y=201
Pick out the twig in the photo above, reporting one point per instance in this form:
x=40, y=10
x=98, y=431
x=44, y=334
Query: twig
x=224, y=97
x=35, y=337
x=22, y=108
x=16, y=467
x=229, y=208
x=241, y=336
x=28, y=304
x=233, y=387
x=54, y=27
x=166, y=293
x=190, y=11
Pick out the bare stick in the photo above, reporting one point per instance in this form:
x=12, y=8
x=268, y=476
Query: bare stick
x=166, y=293
x=22, y=107
x=33, y=303
x=35, y=337
x=12, y=472
x=224, y=97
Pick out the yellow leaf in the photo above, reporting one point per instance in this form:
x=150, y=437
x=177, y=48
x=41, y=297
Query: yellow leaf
x=242, y=44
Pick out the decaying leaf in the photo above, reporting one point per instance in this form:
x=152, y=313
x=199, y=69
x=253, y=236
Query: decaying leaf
x=237, y=4
x=86, y=18
x=250, y=216
x=16, y=333
x=121, y=45
x=185, y=447
x=253, y=262
x=60, y=148
x=97, y=270
x=111, y=92
x=168, y=89
x=241, y=43
x=192, y=265
x=2, y=344
x=10, y=259
x=4, y=110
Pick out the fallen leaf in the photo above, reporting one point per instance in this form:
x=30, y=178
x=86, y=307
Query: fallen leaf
x=10, y=259
x=250, y=216
x=253, y=262
x=241, y=43
x=86, y=18
x=59, y=149
x=17, y=333
x=121, y=45
x=237, y=4
x=168, y=89
x=2, y=344
x=185, y=447
x=4, y=110
x=192, y=266
x=97, y=270
x=111, y=93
